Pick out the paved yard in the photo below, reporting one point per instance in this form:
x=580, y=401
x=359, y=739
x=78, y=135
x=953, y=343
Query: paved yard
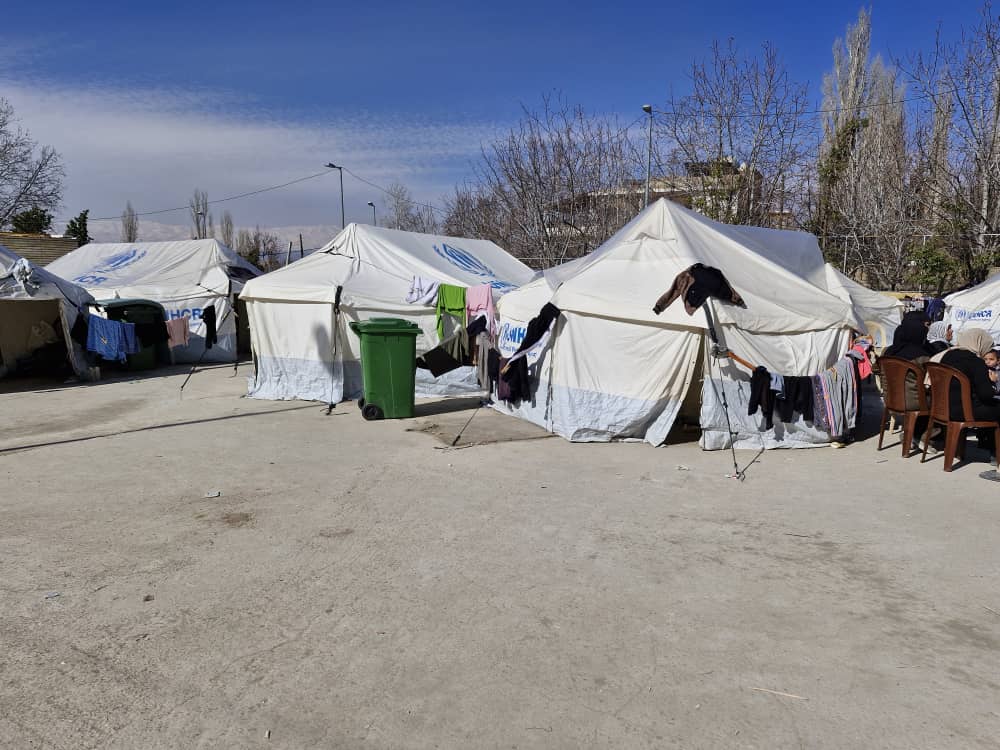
x=359, y=584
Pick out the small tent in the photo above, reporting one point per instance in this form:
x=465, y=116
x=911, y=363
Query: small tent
x=184, y=276
x=37, y=308
x=613, y=369
x=976, y=307
x=302, y=346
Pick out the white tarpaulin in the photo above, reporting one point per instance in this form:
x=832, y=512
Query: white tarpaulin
x=614, y=369
x=185, y=277
x=31, y=301
x=304, y=349
x=976, y=307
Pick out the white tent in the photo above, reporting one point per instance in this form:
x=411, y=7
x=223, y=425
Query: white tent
x=614, y=369
x=184, y=276
x=976, y=307
x=31, y=301
x=303, y=348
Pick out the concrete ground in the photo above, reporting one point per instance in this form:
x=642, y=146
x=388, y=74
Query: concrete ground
x=219, y=572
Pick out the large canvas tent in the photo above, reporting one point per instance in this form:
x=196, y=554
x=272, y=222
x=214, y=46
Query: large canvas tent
x=976, y=307
x=613, y=369
x=184, y=276
x=31, y=300
x=302, y=346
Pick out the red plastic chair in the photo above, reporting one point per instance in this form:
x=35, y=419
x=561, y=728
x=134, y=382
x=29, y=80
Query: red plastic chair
x=894, y=372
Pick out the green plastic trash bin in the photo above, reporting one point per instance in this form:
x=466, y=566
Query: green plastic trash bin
x=388, y=366
x=139, y=311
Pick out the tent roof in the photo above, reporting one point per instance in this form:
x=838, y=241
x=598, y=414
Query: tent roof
x=376, y=265
x=43, y=284
x=156, y=270
x=626, y=275
x=978, y=297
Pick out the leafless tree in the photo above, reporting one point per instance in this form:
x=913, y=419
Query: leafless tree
x=226, y=229
x=554, y=187
x=200, y=216
x=401, y=211
x=259, y=247
x=29, y=176
x=130, y=224
x=739, y=143
x=960, y=143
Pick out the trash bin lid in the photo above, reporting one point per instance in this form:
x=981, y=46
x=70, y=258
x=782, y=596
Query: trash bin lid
x=385, y=325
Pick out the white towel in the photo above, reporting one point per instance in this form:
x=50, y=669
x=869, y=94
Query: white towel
x=423, y=292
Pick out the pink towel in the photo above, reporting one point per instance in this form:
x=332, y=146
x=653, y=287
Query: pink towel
x=479, y=301
x=178, y=330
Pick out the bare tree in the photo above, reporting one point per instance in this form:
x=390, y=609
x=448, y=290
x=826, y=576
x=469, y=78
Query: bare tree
x=401, y=211
x=259, y=247
x=130, y=224
x=29, y=176
x=960, y=143
x=200, y=217
x=226, y=229
x=740, y=143
x=554, y=187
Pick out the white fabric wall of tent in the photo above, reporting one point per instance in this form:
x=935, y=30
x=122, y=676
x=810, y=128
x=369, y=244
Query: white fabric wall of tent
x=30, y=296
x=303, y=348
x=976, y=307
x=184, y=276
x=614, y=370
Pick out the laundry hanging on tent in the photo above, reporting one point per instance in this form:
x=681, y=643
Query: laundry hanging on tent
x=537, y=332
x=108, y=338
x=454, y=351
x=695, y=285
x=211, y=335
x=178, y=332
x=450, y=301
x=423, y=291
x=479, y=301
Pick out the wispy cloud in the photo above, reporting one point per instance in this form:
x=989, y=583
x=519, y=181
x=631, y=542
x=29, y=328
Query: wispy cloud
x=154, y=147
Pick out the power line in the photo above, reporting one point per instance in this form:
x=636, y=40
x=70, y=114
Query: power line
x=218, y=200
x=442, y=211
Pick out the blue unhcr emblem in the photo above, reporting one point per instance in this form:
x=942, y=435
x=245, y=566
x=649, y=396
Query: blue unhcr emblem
x=466, y=261
x=113, y=263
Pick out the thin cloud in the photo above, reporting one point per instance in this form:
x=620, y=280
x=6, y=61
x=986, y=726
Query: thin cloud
x=154, y=147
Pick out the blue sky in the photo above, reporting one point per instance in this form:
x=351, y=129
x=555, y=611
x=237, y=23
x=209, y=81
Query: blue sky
x=147, y=101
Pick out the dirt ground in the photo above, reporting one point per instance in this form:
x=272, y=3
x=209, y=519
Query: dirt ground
x=217, y=572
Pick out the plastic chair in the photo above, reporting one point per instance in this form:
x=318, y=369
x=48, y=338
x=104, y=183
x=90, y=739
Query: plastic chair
x=893, y=373
x=941, y=377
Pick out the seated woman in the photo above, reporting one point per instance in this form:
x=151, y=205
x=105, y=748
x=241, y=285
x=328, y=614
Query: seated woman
x=968, y=358
x=909, y=341
x=939, y=337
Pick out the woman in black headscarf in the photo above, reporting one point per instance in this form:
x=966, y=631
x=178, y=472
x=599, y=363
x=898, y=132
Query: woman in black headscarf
x=909, y=341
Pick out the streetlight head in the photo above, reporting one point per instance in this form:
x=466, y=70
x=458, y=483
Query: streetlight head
x=371, y=204
x=331, y=165
x=647, y=108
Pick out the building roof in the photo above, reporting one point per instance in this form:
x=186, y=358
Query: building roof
x=40, y=249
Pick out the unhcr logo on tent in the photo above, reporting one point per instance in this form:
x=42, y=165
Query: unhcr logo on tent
x=962, y=315
x=466, y=261
x=111, y=264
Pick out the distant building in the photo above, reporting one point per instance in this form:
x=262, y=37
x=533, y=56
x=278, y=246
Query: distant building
x=40, y=249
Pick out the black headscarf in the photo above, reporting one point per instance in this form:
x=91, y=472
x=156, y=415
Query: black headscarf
x=909, y=341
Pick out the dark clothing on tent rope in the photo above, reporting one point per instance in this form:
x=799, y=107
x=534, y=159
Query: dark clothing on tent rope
x=694, y=286
x=454, y=352
x=909, y=340
x=515, y=383
x=761, y=396
x=798, y=398
x=211, y=337
x=537, y=327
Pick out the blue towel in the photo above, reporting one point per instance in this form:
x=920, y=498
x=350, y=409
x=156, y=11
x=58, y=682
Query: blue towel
x=107, y=338
x=131, y=342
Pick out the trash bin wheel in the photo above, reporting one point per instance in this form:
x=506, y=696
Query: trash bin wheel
x=361, y=403
x=371, y=412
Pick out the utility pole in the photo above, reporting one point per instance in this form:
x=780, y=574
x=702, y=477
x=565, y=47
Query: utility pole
x=331, y=165
x=648, y=109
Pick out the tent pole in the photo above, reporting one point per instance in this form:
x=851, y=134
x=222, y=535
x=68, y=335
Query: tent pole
x=336, y=329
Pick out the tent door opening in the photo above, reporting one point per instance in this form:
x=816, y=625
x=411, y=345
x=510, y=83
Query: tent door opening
x=33, y=339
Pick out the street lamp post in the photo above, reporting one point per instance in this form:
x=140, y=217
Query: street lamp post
x=374, y=220
x=648, y=109
x=331, y=165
